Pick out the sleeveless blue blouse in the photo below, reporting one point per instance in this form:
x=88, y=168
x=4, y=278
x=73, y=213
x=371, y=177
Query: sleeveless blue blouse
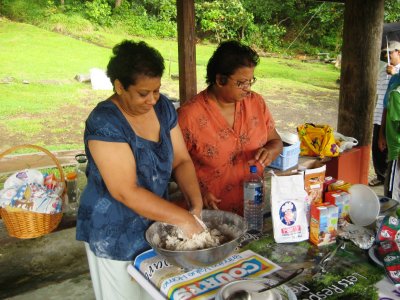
x=113, y=230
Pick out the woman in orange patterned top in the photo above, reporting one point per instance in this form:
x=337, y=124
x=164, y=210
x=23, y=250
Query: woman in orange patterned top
x=227, y=127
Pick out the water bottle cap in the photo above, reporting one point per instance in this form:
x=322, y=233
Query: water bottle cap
x=81, y=158
x=253, y=169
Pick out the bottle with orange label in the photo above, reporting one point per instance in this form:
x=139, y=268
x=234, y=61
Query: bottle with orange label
x=72, y=186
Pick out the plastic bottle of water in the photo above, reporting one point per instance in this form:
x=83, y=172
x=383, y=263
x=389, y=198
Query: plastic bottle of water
x=253, y=200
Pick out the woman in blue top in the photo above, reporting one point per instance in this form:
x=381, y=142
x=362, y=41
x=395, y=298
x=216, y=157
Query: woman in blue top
x=133, y=145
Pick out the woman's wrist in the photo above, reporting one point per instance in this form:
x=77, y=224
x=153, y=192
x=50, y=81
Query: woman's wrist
x=197, y=207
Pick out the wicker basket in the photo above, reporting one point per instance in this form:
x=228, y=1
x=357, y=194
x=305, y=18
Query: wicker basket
x=26, y=224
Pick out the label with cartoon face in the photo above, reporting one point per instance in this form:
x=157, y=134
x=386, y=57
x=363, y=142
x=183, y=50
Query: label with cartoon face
x=288, y=213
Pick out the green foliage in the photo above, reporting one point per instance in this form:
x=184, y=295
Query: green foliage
x=137, y=22
x=221, y=19
x=272, y=36
x=392, y=11
x=128, y=10
x=71, y=24
x=326, y=30
x=267, y=24
x=162, y=10
x=30, y=11
x=269, y=11
x=150, y=27
x=302, y=22
x=73, y=6
x=98, y=11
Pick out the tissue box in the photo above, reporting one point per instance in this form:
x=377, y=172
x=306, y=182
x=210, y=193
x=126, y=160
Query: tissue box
x=288, y=158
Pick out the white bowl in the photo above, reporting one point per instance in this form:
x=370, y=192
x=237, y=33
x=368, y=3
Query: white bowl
x=364, y=205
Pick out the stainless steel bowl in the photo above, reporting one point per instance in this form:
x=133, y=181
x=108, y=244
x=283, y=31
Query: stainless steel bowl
x=190, y=259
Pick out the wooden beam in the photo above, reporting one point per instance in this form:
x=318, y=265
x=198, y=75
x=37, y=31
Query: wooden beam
x=186, y=49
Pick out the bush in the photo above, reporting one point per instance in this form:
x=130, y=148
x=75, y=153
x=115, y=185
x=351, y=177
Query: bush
x=135, y=21
x=272, y=37
x=67, y=24
x=162, y=10
x=74, y=6
x=149, y=27
x=222, y=19
x=98, y=11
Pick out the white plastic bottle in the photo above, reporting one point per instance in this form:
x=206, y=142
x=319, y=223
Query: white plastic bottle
x=253, y=200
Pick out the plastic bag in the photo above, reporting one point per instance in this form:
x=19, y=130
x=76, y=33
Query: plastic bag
x=345, y=142
x=22, y=177
x=317, y=140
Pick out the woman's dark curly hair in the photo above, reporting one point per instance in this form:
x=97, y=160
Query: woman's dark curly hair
x=132, y=59
x=228, y=57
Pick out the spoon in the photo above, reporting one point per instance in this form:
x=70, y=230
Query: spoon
x=321, y=267
x=245, y=295
x=200, y=221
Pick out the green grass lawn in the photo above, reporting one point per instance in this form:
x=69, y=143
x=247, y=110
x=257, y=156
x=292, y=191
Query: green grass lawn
x=39, y=96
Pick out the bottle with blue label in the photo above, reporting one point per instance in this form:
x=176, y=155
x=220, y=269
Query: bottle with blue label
x=253, y=200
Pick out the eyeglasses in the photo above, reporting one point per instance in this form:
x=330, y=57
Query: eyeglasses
x=245, y=84
x=390, y=52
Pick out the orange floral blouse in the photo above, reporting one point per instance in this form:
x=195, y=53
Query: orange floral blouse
x=221, y=153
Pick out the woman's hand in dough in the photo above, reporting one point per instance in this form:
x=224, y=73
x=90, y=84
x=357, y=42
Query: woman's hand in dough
x=191, y=226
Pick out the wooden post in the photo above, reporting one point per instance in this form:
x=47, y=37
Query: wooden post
x=362, y=33
x=186, y=49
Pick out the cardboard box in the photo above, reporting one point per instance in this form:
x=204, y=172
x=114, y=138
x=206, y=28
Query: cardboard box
x=323, y=224
x=314, y=183
x=327, y=182
x=342, y=200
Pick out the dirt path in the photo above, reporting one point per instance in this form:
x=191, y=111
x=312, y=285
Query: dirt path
x=291, y=109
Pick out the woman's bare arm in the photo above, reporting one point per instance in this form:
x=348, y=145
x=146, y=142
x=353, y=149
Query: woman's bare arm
x=117, y=167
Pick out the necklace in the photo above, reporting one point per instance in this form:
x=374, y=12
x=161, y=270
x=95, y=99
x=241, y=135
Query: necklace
x=125, y=111
x=119, y=105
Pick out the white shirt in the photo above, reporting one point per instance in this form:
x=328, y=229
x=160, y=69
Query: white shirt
x=382, y=84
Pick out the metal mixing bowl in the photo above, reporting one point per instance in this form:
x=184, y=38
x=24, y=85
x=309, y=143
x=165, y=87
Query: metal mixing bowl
x=190, y=259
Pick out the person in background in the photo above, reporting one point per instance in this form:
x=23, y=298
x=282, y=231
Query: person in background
x=379, y=158
x=227, y=127
x=392, y=133
x=133, y=145
x=394, y=82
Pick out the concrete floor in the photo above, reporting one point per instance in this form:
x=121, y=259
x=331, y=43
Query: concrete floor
x=77, y=288
x=50, y=267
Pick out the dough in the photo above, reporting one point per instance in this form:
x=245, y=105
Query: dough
x=207, y=239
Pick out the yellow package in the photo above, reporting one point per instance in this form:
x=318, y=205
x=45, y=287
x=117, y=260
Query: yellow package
x=317, y=140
